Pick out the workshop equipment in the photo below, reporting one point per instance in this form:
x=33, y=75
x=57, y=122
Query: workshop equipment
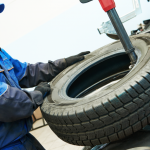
x=109, y=7
x=107, y=27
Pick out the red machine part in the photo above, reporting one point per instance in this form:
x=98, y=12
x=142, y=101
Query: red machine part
x=107, y=4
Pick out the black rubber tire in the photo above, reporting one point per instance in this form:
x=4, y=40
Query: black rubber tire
x=108, y=116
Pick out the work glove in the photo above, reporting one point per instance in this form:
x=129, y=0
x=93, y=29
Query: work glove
x=44, y=88
x=76, y=58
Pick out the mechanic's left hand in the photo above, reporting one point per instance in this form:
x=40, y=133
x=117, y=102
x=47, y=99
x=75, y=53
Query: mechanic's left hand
x=76, y=58
x=44, y=88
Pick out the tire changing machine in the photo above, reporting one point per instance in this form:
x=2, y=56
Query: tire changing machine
x=141, y=138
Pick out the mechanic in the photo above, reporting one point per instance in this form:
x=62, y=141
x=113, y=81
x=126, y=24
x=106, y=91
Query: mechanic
x=17, y=105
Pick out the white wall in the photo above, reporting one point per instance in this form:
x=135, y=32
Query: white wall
x=39, y=30
x=22, y=16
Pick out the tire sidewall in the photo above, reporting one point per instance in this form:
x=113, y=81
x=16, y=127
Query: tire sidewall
x=59, y=88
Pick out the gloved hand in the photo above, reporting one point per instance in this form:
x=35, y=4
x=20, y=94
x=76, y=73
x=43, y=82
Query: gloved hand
x=74, y=59
x=44, y=88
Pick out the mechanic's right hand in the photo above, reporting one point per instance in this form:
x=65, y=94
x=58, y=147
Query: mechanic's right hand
x=44, y=88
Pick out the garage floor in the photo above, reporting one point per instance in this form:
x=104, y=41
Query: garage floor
x=49, y=140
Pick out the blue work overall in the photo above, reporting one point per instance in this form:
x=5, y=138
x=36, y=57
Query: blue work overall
x=14, y=135
x=17, y=105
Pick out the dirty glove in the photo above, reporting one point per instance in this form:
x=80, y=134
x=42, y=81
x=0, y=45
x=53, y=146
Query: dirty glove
x=44, y=88
x=74, y=59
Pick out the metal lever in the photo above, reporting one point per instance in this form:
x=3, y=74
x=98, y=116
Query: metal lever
x=109, y=7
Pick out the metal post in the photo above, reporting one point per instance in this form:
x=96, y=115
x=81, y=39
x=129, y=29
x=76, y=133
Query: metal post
x=122, y=35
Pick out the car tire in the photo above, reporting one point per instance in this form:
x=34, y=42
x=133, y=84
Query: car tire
x=100, y=100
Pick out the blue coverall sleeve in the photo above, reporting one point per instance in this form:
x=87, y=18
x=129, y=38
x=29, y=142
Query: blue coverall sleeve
x=30, y=75
x=16, y=104
x=41, y=72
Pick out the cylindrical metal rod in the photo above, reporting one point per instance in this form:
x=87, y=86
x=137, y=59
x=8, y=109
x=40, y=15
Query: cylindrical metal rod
x=122, y=35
